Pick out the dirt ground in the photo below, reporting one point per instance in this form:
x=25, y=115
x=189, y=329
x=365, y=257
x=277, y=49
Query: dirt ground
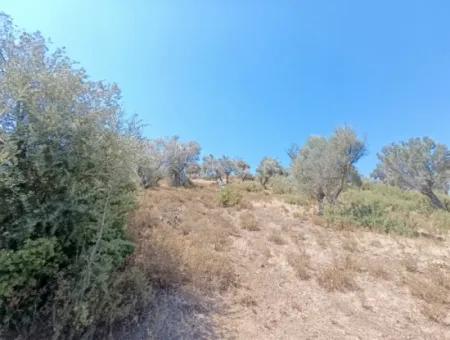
x=267, y=269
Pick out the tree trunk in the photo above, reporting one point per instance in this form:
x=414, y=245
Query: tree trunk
x=321, y=200
x=435, y=201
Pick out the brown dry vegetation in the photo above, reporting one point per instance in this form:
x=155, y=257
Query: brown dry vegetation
x=270, y=270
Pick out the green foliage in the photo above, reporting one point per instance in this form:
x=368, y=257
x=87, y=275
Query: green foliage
x=387, y=209
x=68, y=176
x=229, y=197
x=283, y=184
x=267, y=169
x=23, y=274
x=324, y=166
x=176, y=158
x=419, y=164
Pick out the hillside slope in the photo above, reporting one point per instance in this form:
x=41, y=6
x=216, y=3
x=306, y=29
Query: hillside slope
x=266, y=269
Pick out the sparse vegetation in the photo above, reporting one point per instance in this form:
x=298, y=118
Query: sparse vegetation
x=277, y=238
x=339, y=276
x=300, y=262
x=387, y=209
x=98, y=222
x=229, y=197
x=433, y=289
x=248, y=221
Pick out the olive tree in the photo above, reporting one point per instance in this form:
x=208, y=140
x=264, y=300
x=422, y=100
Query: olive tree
x=211, y=167
x=228, y=167
x=242, y=169
x=268, y=168
x=194, y=170
x=324, y=166
x=177, y=157
x=418, y=164
x=218, y=168
x=150, y=167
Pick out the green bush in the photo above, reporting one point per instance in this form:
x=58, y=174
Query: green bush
x=68, y=176
x=387, y=209
x=229, y=197
x=283, y=184
x=23, y=274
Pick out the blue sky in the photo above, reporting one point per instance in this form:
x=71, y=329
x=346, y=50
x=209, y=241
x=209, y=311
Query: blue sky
x=248, y=78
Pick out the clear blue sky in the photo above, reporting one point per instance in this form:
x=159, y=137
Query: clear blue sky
x=247, y=78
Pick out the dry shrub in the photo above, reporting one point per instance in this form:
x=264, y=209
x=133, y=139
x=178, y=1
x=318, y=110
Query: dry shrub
x=248, y=222
x=298, y=214
x=300, y=262
x=350, y=243
x=172, y=259
x=377, y=269
x=410, y=264
x=244, y=205
x=321, y=239
x=277, y=238
x=184, y=246
x=247, y=186
x=297, y=199
x=433, y=289
x=318, y=220
x=339, y=276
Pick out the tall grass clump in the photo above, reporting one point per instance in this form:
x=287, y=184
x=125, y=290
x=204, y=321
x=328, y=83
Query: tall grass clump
x=68, y=177
x=387, y=209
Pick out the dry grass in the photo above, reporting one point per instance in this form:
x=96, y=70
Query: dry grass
x=276, y=238
x=318, y=220
x=339, y=276
x=301, y=263
x=433, y=289
x=349, y=243
x=410, y=263
x=248, y=221
x=378, y=269
x=186, y=246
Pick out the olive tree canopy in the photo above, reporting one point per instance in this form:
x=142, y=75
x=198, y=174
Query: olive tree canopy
x=268, y=168
x=177, y=157
x=324, y=166
x=418, y=164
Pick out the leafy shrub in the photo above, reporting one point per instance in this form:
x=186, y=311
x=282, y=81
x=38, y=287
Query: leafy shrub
x=229, y=197
x=387, y=209
x=23, y=274
x=67, y=182
x=283, y=184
